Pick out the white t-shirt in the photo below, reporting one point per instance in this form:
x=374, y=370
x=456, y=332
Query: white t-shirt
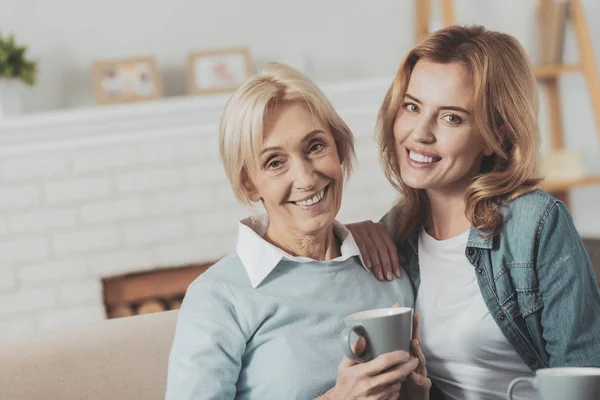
x=467, y=355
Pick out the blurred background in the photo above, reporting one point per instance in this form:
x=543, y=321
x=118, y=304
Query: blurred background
x=110, y=210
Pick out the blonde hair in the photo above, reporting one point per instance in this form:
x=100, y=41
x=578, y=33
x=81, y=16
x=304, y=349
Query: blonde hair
x=247, y=114
x=506, y=109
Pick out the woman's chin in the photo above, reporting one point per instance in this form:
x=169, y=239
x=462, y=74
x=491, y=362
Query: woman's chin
x=414, y=182
x=315, y=223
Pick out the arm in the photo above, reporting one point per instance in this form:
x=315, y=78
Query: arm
x=205, y=359
x=570, y=294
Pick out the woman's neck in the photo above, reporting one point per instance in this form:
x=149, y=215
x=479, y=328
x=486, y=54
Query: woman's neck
x=447, y=215
x=320, y=246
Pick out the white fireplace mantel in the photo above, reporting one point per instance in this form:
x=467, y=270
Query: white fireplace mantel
x=169, y=116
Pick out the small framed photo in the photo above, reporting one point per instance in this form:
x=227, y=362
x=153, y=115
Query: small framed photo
x=126, y=80
x=218, y=71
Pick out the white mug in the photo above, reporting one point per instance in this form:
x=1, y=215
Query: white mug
x=563, y=383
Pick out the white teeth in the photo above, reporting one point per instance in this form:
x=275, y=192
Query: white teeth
x=420, y=157
x=314, y=200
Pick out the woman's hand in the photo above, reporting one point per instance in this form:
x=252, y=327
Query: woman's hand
x=377, y=249
x=378, y=379
x=418, y=385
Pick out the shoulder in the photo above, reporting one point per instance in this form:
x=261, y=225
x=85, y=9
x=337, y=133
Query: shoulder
x=530, y=211
x=223, y=276
x=536, y=201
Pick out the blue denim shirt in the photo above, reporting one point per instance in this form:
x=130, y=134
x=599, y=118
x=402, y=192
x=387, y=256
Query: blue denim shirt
x=536, y=278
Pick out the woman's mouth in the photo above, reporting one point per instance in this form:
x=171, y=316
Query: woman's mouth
x=422, y=159
x=314, y=201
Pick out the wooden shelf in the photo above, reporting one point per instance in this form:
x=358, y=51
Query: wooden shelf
x=552, y=71
x=559, y=186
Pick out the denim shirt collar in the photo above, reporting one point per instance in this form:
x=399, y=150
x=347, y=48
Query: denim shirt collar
x=480, y=239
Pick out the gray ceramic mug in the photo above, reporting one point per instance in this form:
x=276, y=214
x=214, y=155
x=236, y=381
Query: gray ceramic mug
x=563, y=383
x=384, y=329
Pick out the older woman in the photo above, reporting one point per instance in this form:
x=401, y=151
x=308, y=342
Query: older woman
x=504, y=285
x=264, y=322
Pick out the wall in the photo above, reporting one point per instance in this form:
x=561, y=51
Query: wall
x=336, y=37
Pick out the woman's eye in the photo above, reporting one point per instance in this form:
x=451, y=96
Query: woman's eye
x=412, y=107
x=453, y=119
x=315, y=147
x=274, y=164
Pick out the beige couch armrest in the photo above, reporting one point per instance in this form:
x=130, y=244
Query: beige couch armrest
x=123, y=358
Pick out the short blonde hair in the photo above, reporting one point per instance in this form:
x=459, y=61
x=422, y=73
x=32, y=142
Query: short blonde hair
x=506, y=110
x=247, y=113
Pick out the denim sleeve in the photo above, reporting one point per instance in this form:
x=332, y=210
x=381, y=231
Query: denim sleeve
x=570, y=294
x=205, y=358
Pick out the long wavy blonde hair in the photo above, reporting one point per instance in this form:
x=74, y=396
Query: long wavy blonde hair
x=506, y=112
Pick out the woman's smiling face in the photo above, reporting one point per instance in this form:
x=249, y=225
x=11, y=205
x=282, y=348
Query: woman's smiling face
x=299, y=176
x=437, y=142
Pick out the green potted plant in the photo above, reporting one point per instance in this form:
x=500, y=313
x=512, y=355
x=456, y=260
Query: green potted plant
x=15, y=70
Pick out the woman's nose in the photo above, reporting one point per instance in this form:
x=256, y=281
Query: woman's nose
x=423, y=132
x=305, y=175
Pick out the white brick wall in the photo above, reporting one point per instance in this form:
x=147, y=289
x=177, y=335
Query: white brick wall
x=43, y=220
x=47, y=273
x=31, y=168
x=80, y=293
x=85, y=241
x=73, y=213
x=149, y=179
x=8, y=279
x=26, y=300
x=18, y=197
x=18, y=326
x=77, y=189
x=111, y=211
x=25, y=249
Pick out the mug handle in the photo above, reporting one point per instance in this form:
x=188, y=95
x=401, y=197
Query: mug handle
x=347, y=347
x=515, y=381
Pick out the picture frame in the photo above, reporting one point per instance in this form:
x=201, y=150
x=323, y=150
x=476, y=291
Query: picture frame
x=126, y=80
x=218, y=71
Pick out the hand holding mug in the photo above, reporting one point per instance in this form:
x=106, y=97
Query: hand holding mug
x=378, y=379
x=417, y=385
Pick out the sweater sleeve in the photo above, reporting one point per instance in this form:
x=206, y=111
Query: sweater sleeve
x=206, y=355
x=571, y=312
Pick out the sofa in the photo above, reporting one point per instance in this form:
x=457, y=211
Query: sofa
x=117, y=359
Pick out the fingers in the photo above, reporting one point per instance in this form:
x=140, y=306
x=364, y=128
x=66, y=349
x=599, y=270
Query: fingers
x=416, y=333
x=415, y=347
x=396, y=374
x=384, y=362
x=391, y=392
x=346, y=363
x=392, y=251
x=370, y=239
x=359, y=346
x=377, y=249
x=420, y=381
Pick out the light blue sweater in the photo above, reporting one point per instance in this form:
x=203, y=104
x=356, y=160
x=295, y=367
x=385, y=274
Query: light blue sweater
x=278, y=341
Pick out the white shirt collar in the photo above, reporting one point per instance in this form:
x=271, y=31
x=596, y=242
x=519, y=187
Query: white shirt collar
x=260, y=257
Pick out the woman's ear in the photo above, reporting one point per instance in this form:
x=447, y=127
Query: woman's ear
x=249, y=188
x=487, y=151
